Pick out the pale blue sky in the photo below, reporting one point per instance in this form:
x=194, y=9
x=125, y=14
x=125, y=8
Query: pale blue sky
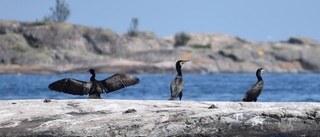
x=259, y=20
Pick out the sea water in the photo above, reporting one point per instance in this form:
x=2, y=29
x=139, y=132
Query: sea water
x=283, y=87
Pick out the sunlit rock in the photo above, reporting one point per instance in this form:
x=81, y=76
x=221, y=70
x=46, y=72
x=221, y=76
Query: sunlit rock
x=157, y=118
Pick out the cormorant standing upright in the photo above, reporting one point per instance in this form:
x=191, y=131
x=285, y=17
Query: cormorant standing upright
x=176, y=85
x=94, y=87
x=253, y=93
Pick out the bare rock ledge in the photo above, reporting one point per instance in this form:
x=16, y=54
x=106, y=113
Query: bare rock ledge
x=156, y=118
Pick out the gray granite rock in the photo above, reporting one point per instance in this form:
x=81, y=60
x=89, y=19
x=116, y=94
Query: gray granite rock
x=157, y=118
x=47, y=47
x=303, y=41
x=310, y=60
x=287, y=54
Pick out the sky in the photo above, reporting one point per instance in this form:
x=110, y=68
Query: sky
x=256, y=20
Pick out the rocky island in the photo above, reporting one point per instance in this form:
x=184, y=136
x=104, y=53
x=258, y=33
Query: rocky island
x=48, y=48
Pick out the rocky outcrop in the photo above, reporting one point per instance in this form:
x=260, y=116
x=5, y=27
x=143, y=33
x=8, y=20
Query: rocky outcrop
x=46, y=47
x=157, y=118
x=303, y=41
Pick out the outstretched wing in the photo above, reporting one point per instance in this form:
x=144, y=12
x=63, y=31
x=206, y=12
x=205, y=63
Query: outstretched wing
x=119, y=81
x=71, y=86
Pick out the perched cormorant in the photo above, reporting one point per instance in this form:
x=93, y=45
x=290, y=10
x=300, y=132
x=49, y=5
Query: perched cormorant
x=176, y=85
x=253, y=93
x=95, y=87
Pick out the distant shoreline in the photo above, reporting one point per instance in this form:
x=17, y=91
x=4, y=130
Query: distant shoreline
x=53, y=48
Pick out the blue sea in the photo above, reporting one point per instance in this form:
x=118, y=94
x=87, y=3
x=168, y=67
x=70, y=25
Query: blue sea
x=198, y=87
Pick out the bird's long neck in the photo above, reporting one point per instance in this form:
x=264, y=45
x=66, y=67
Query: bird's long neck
x=178, y=68
x=93, y=77
x=259, y=76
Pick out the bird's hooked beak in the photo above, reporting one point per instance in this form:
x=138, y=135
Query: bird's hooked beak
x=263, y=70
x=184, y=61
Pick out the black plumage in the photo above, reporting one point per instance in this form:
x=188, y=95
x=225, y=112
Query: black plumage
x=253, y=93
x=176, y=85
x=94, y=87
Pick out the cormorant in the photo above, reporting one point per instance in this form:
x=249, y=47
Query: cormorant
x=253, y=93
x=176, y=85
x=95, y=87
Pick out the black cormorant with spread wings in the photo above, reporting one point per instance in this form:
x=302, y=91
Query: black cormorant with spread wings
x=176, y=85
x=94, y=87
x=253, y=93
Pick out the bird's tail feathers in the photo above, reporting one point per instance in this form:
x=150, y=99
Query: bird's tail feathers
x=171, y=98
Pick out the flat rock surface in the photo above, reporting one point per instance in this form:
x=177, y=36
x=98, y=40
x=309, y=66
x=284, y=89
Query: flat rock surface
x=85, y=117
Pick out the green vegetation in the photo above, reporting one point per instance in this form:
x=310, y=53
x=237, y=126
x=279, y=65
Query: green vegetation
x=18, y=48
x=181, y=39
x=60, y=12
x=36, y=23
x=133, y=31
x=16, y=42
x=200, y=46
